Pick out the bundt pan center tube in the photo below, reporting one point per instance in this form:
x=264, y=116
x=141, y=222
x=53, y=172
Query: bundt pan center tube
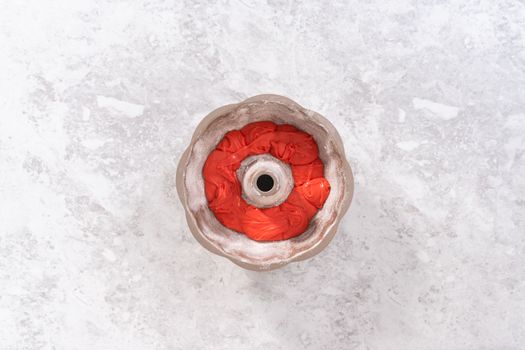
x=263, y=182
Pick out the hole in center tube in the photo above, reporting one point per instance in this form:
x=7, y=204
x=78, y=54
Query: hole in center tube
x=265, y=183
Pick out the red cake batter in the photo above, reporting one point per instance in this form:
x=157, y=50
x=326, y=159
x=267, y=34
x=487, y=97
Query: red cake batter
x=290, y=145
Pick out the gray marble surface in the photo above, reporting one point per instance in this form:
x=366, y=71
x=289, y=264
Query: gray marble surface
x=99, y=98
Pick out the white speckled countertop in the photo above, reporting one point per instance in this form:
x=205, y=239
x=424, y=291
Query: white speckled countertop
x=99, y=98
